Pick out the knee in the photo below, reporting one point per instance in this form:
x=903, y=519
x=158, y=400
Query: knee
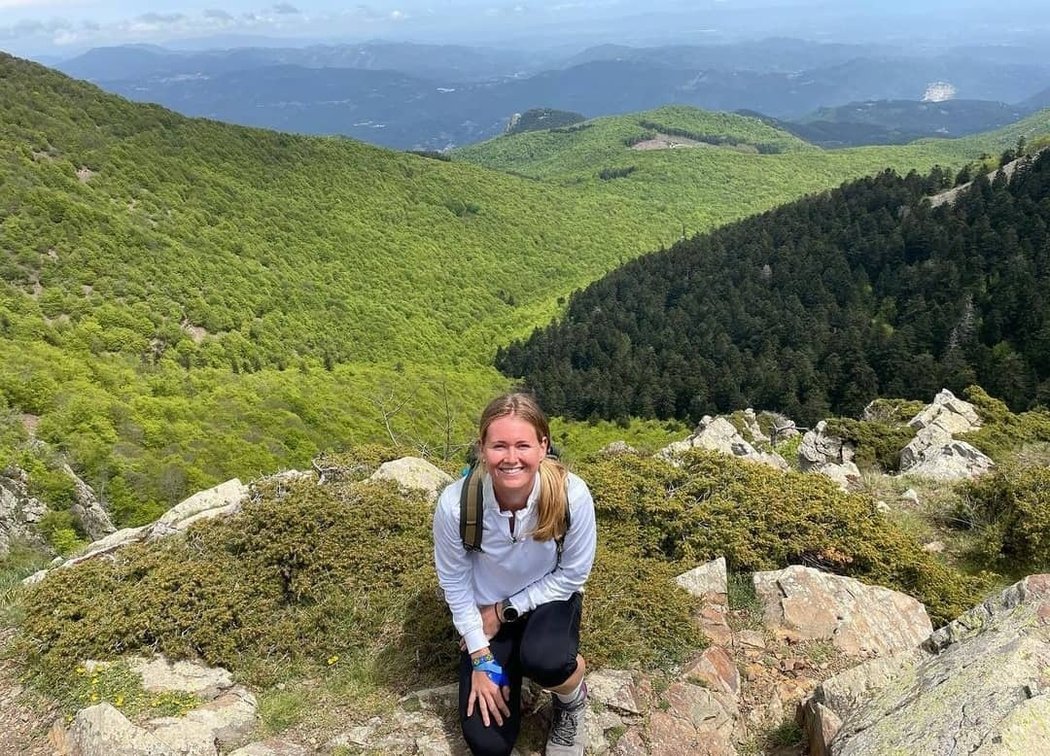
x=486, y=741
x=550, y=667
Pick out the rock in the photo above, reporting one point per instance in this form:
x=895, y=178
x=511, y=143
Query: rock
x=828, y=455
x=86, y=509
x=445, y=698
x=107, y=545
x=934, y=452
x=272, y=747
x=19, y=512
x=714, y=669
x=882, y=507
x=412, y=732
x=718, y=434
x=933, y=547
x=413, y=473
x=101, y=730
x=616, y=448
x=949, y=413
x=223, y=721
x=696, y=721
x=751, y=424
x=950, y=460
x=597, y=725
x=858, y=619
x=977, y=685
x=706, y=581
x=911, y=496
x=616, y=689
x=221, y=500
x=159, y=674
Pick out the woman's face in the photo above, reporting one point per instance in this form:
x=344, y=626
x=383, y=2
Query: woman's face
x=512, y=450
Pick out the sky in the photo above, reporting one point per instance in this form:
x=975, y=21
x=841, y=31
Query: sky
x=62, y=28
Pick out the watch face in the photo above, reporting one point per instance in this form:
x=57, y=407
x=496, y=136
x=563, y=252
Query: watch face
x=509, y=613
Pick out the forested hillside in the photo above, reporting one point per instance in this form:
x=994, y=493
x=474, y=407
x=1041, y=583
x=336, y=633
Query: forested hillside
x=183, y=301
x=817, y=307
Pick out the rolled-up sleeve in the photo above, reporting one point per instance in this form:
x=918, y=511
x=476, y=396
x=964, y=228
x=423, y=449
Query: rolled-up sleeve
x=577, y=554
x=454, y=567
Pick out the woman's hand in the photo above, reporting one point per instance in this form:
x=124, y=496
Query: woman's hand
x=490, y=620
x=491, y=700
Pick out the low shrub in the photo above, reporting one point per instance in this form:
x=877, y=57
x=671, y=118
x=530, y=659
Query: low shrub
x=1011, y=510
x=763, y=519
x=878, y=443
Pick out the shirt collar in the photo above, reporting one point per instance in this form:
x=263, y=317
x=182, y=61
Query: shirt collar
x=490, y=495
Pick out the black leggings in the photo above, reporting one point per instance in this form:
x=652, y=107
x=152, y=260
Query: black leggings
x=542, y=646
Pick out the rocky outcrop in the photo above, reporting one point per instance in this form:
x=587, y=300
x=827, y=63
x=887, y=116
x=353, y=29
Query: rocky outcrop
x=413, y=473
x=977, y=685
x=224, y=499
x=934, y=452
x=226, y=716
x=860, y=620
x=718, y=434
x=828, y=455
x=19, y=512
x=86, y=509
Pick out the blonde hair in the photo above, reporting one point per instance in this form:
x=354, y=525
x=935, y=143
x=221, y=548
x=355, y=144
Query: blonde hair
x=554, y=499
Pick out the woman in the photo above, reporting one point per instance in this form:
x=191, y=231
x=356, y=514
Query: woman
x=516, y=602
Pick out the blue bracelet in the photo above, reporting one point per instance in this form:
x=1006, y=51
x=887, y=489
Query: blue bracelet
x=494, y=672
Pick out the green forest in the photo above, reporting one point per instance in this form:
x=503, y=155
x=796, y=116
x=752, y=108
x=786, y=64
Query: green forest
x=183, y=301
x=816, y=307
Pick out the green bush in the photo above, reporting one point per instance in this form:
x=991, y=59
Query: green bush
x=1011, y=510
x=1003, y=432
x=878, y=443
x=763, y=519
x=308, y=573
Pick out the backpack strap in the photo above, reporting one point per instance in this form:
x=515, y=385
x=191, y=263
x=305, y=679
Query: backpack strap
x=471, y=505
x=559, y=543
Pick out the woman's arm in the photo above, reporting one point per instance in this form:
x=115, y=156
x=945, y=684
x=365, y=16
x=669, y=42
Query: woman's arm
x=454, y=569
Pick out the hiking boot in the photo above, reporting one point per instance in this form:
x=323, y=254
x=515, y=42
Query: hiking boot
x=568, y=735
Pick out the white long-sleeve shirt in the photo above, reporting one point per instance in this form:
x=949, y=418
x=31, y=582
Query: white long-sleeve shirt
x=513, y=567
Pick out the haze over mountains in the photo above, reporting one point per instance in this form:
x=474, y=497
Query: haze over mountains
x=413, y=96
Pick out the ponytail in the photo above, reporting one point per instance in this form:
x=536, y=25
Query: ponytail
x=554, y=500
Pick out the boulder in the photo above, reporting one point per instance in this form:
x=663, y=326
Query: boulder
x=618, y=690
x=720, y=435
x=706, y=581
x=859, y=619
x=101, y=730
x=222, y=721
x=977, y=685
x=934, y=452
x=753, y=428
x=158, y=675
x=948, y=413
x=695, y=721
x=221, y=500
x=828, y=455
x=413, y=473
x=949, y=460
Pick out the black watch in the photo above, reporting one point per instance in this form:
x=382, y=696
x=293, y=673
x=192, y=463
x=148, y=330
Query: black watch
x=507, y=612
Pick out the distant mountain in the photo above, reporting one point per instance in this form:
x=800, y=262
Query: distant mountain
x=432, y=97
x=1039, y=100
x=901, y=121
x=437, y=62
